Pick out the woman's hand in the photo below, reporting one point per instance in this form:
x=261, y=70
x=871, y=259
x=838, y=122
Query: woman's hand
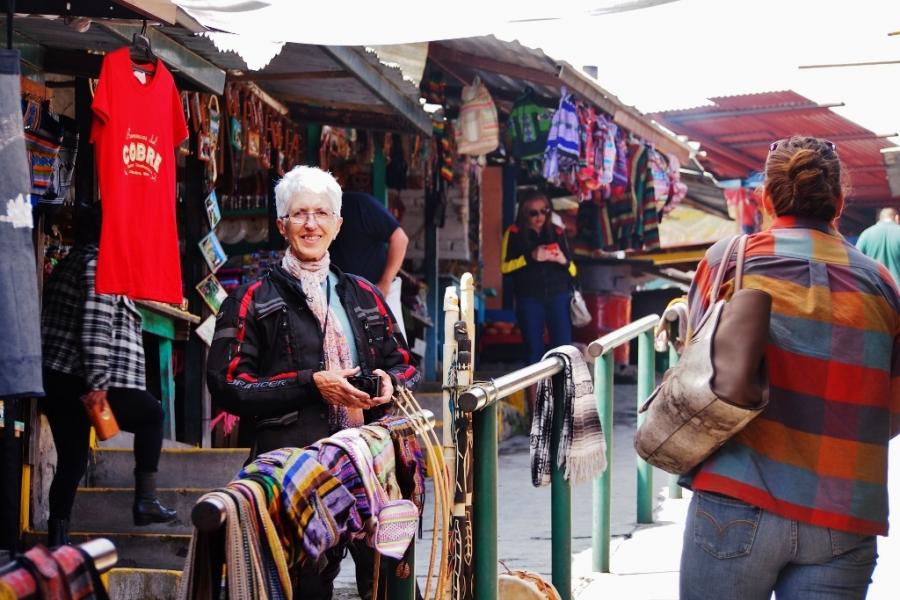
x=335, y=389
x=541, y=254
x=93, y=398
x=387, y=388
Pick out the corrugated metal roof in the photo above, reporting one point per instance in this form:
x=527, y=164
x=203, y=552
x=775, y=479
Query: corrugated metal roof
x=346, y=92
x=735, y=132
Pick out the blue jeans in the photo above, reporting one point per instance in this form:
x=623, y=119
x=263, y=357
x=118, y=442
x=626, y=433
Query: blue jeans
x=733, y=550
x=534, y=313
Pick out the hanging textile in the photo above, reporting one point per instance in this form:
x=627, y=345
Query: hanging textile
x=529, y=126
x=582, y=445
x=138, y=122
x=20, y=353
x=477, y=130
x=66, y=572
x=563, y=142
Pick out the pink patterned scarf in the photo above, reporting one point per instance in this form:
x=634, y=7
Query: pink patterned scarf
x=312, y=274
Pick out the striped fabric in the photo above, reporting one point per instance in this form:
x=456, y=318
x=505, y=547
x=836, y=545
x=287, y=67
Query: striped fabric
x=310, y=507
x=818, y=452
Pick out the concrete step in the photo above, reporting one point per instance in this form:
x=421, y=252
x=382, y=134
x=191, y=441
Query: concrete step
x=142, y=584
x=144, y=550
x=109, y=509
x=196, y=467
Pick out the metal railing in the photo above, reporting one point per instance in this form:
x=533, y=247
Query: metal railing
x=482, y=399
x=601, y=349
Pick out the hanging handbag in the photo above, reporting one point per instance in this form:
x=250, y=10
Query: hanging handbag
x=718, y=386
x=578, y=310
x=102, y=419
x=392, y=529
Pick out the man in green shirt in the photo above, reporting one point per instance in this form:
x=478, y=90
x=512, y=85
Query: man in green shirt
x=881, y=241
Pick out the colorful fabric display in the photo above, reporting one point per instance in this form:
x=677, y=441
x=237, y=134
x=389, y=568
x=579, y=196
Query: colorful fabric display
x=609, y=130
x=43, y=137
x=308, y=504
x=529, y=126
x=564, y=140
x=66, y=572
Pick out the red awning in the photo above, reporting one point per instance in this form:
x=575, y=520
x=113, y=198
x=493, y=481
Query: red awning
x=736, y=131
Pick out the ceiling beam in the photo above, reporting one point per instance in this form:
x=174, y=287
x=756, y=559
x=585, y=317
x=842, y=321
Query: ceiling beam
x=360, y=119
x=177, y=57
x=373, y=78
x=741, y=112
x=290, y=75
x=871, y=63
x=849, y=137
x=454, y=58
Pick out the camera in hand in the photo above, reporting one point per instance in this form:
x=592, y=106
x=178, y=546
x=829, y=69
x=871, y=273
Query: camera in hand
x=370, y=384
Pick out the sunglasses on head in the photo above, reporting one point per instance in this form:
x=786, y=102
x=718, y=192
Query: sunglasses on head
x=538, y=211
x=828, y=143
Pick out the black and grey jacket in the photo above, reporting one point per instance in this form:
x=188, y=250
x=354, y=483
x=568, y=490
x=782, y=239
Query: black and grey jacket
x=268, y=344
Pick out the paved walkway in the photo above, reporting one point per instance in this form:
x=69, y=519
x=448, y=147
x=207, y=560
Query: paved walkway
x=645, y=565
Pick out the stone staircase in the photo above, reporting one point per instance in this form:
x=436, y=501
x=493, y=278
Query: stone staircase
x=151, y=557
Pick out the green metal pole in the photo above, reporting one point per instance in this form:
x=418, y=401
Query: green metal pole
x=646, y=377
x=484, y=502
x=560, y=504
x=600, y=532
x=403, y=589
x=379, y=172
x=674, y=488
x=313, y=142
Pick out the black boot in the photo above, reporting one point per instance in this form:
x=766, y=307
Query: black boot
x=147, y=508
x=57, y=532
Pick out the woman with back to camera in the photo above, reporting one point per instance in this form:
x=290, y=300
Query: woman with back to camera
x=792, y=503
x=536, y=253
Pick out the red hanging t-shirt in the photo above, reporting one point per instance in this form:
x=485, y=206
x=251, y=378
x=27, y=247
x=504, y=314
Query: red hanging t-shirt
x=135, y=130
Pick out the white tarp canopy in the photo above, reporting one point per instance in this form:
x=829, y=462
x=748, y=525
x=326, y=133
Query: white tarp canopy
x=366, y=23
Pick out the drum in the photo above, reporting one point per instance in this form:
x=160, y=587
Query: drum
x=525, y=585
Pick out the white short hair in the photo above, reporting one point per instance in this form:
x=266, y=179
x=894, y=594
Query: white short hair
x=310, y=180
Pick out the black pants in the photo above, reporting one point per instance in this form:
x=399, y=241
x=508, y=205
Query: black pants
x=136, y=411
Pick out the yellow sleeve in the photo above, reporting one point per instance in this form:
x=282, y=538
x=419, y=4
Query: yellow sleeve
x=508, y=265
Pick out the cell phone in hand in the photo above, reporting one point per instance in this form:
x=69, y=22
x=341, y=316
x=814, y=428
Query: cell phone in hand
x=554, y=247
x=370, y=384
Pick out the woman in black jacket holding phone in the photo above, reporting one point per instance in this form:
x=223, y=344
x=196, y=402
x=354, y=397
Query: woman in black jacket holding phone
x=536, y=253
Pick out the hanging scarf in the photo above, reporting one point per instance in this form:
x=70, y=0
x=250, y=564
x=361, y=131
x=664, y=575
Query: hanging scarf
x=582, y=447
x=312, y=274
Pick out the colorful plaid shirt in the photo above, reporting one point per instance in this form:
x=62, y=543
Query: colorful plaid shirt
x=818, y=452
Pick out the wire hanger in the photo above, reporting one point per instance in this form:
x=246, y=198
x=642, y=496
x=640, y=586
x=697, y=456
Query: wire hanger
x=141, y=52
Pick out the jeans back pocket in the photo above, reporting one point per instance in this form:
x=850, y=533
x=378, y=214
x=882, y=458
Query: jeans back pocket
x=724, y=527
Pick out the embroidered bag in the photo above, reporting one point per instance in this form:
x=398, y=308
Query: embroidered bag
x=478, y=131
x=394, y=527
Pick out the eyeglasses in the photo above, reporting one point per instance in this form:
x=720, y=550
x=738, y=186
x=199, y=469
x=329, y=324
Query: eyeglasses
x=538, y=212
x=830, y=144
x=302, y=217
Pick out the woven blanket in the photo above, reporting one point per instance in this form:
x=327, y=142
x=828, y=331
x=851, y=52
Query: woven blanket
x=582, y=447
x=312, y=507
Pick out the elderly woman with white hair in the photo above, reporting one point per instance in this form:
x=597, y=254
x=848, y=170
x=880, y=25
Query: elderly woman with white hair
x=294, y=350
